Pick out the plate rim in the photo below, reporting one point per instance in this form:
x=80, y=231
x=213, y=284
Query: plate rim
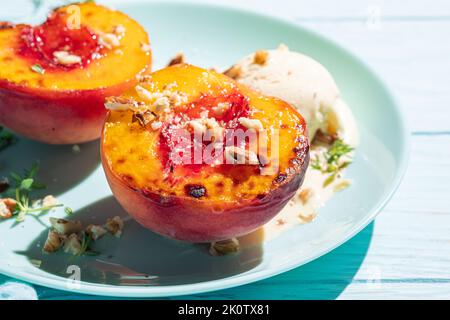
x=93, y=289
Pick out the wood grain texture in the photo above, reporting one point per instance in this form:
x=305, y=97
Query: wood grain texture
x=405, y=253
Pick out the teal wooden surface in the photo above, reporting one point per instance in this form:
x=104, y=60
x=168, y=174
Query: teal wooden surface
x=405, y=253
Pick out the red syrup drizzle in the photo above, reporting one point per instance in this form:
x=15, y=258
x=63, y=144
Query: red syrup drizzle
x=238, y=107
x=38, y=43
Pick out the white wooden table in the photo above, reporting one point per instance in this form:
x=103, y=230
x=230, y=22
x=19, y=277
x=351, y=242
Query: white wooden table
x=405, y=253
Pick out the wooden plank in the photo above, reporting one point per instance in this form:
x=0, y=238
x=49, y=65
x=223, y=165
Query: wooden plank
x=413, y=60
x=330, y=9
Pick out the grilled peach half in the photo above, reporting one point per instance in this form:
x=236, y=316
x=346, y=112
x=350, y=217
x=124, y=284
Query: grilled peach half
x=54, y=77
x=193, y=155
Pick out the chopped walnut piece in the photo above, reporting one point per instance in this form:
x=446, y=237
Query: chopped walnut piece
x=162, y=104
x=115, y=226
x=307, y=217
x=119, y=103
x=236, y=155
x=305, y=195
x=260, y=57
x=65, y=58
x=251, y=123
x=324, y=137
x=66, y=227
x=73, y=245
x=96, y=232
x=54, y=241
x=197, y=125
x=143, y=117
x=234, y=72
x=179, y=58
x=143, y=93
x=224, y=247
x=221, y=108
x=7, y=207
x=109, y=40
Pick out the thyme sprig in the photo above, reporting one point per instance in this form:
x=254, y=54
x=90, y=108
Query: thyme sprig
x=6, y=138
x=333, y=160
x=85, y=246
x=23, y=186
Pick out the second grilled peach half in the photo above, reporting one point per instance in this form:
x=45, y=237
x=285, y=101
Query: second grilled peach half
x=54, y=77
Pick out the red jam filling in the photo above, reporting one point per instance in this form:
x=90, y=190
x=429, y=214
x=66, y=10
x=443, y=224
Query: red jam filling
x=238, y=107
x=39, y=43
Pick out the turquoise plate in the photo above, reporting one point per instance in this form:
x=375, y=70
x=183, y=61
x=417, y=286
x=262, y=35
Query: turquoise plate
x=142, y=264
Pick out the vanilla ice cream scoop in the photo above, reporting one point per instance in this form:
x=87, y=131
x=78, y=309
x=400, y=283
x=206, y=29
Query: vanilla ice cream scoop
x=302, y=82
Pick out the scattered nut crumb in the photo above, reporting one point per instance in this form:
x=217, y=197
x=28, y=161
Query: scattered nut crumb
x=96, y=232
x=341, y=185
x=233, y=72
x=119, y=103
x=65, y=58
x=156, y=125
x=280, y=222
x=307, y=217
x=251, y=123
x=224, y=247
x=197, y=126
x=145, y=47
x=73, y=245
x=54, y=241
x=66, y=227
x=143, y=117
x=115, y=226
x=221, y=108
x=109, y=40
x=119, y=29
x=324, y=137
x=76, y=149
x=260, y=57
x=237, y=155
x=7, y=207
x=305, y=195
x=178, y=59
x=49, y=201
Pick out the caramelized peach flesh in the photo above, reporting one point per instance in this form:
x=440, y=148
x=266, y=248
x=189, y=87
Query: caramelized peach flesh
x=54, y=77
x=192, y=200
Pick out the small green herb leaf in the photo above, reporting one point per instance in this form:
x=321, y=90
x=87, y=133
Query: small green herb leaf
x=26, y=184
x=23, y=187
x=38, y=68
x=332, y=161
x=68, y=210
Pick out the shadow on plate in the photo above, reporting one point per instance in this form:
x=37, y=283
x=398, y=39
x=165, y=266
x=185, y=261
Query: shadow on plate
x=60, y=167
x=323, y=279
x=141, y=257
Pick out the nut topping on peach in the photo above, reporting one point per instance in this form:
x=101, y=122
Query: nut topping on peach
x=193, y=155
x=54, y=77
